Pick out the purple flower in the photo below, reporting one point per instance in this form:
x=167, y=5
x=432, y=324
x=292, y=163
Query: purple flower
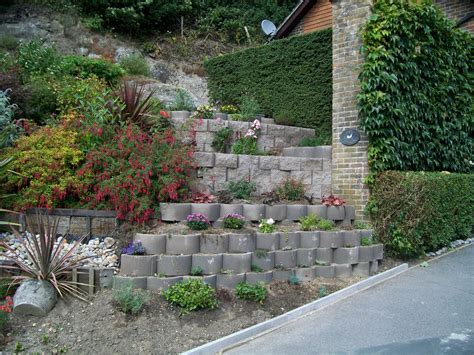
x=197, y=217
x=134, y=249
x=235, y=215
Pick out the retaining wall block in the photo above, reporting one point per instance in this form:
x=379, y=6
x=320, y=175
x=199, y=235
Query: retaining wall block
x=269, y=163
x=210, y=210
x=265, y=261
x=256, y=277
x=174, y=265
x=230, y=209
x=226, y=160
x=154, y=244
x=277, y=212
x=285, y=258
x=346, y=255
x=173, y=212
x=343, y=270
x=289, y=240
x=290, y=163
x=351, y=238
x=378, y=251
x=180, y=115
x=366, y=253
x=366, y=233
x=209, y=263
x=204, y=159
x=324, y=255
x=319, y=210
x=282, y=275
x=254, y=212
x=306, y=256
x=207, y=279
x=214, y=243
x=182, y=244
x=309, y=239
x=161, y=283
x=325, y=271
x=331, y=239
x=137, y=265
x=229, y=281
x=241, y=243
x=237, y=263
x=361, y=269
x=305, y=274
x=137, y=282
x=349, y=212
x=268, y=241
x=335, y=213
x=295, y=212
x=374, y=267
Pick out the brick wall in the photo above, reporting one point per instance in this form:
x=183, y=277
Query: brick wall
x=349, y=164
x=456, y=10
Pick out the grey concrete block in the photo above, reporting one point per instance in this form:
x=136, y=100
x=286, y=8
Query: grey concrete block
x=304, y=177
x=366, y=253
x=226, y=160
x=209, y=263
x=264, y=260
x=305, y=274
x=254, y=212
x=248, y=161
x=311, y=164
x=378, y=251
x=305, y=257
x=229, y=281
x=366, y=233
x=183, y=244
x=361, y=269
x=318, y=210
x=324, y=255
x=154, y=244
x=214, y=243
x=172, y=212
x=237, y=263
x=161, y=283
x=137, y=265
x=351, y=238
x=204, y=160
x=343, y=270
x=268, y=241
x=331, y=239
x=269, y=163
x=207, y=279
x=282, y=275
x=349, y=212
x=335, y=213
x=309, y=152
x=295, y=212
x=137, y=282
x=241, y=243
x=309, y=239
x=346, y=255
x=374, y=267
x=325, y=271
x=219, y=115
x=285, y=259
x=180, y=115
x=253, y=278
x=174, y=265
x=276, y=212
x=290, y=163
x=289, y=240
x=215, y=126
x=231, y=209
x=210, y=210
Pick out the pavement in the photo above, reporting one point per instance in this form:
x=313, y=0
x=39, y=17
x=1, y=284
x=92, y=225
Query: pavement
x=426, y=310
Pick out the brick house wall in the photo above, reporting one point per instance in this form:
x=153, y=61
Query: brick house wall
x=318, y=17
x=456, y=10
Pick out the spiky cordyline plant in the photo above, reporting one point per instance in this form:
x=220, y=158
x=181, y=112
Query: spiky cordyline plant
x=138, y=104
x=49, y=261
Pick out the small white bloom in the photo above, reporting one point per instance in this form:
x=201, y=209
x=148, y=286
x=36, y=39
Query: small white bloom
x=260, y=225
x=270, y=221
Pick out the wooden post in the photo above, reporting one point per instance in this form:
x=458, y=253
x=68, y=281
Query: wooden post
x=91, y=282
x=74, y=275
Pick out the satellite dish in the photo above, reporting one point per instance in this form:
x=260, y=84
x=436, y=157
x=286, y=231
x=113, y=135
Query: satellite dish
x=268, y=27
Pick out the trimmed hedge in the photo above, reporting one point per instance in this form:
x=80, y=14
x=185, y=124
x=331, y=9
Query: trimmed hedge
x=291, y=79
x=418, y=212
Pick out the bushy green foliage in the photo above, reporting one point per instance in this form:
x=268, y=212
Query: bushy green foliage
x=183, y=102
x=325, y=224
x=290, y=189
x=196, y=271
x=234, y=221
x=416, y=99
x=7, y=111
x=191, y=295
x=129, y=300
x=84, y=67
x=8, y=42
x=309, y=222
x=267, y=226
x=413, y=213
x=37, y=59
x=293, y=76
x=242, y=188
x=41, y=102
x=135, y=64
x=365, y=241
x=312, y=142
x=249, y=108
x=222, y=139
x=248, y=292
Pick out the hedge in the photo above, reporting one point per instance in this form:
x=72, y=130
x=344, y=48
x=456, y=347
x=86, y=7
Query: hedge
x=291, y=79
x=418, y=212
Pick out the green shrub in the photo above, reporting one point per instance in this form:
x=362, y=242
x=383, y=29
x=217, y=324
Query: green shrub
x=414, y=213
x=191, y=295
x=248, y=292
x=84, y=67
x=309, y=222
x=196, y=271
x=7, y=112
x=183, y=102
x=313, y=141
x=41, y=103
x=267, y=226
x=222, y=139
x=417, y=90
x=37, y=59
x=234, y=221
x=249, y=108
x=290, y=189
x=286, y=76
x=325, y=225
x=135, y=64
x=242, y=188
x=129, y=300
x=365, y=241
x=8, y=42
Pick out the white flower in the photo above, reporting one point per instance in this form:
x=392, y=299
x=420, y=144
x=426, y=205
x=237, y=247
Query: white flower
x=219, y=121
x=256, y=124
x=260, y=225
x=270, y=221
x=250, y=133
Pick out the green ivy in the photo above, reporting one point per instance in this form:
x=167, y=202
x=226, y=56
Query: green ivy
x=416, y=98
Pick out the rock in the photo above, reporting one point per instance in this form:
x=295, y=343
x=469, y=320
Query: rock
x=109, y=242
x=35, y=298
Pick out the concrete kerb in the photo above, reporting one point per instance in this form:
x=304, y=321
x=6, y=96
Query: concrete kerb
x=235, y=339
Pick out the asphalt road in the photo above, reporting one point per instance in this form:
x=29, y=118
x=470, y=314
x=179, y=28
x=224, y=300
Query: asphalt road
x=423, y=311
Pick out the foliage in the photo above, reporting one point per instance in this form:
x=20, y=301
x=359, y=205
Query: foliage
x=224, y=196
x=84, y=67
x=203, y=197
x=191, y=295
x=290, y=75
x=365, y=241
x=5, y=309
x=255, y=268
x=325, y=224
x=361, y=225
x=222, y=139
x=309, y=222
x=332, y=200
x=135, y=64
x=294, y=280
x=8, y=42
x=249, y=108
x=41, y=102
x=7, y=111
x=197, y=221
x=242, y=188
x=416, y=99
x=248, y=292
x=267, y=226
x=248, y=143
x=37, y=59
x=182, y=102
x=196, y=271
x=234, y=221
x=129, y=300
x=205, y=112
x=229, y=109
x=290, y=189
x=311, y=142
x=134, y=248
x=414, y=213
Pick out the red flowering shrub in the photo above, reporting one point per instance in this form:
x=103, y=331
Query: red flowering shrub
x=332, y=200
x=135, y=171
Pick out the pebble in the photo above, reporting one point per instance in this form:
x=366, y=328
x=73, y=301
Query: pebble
x=453, y=244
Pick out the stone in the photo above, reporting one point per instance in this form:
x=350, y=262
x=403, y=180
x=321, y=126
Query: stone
x=374, y=267
x=248, y=161
x=136, y=282
x=154, y=244
x=325, y=271
x=161, y=283
x=276, y=212
x=309, y=239
x=241, y=243
x=306, y=257
x=229, y=281
x=285, y=259
x=183, y=244
x=304, y=177
x=282, y=275
x=109, y=242
x=253, y=278
x=361, y=269
x=268, y=241
x=254, y=212
x=335, y=213
x=378, y=251
x=237, y=263
x=289, y=240
x=278, y=176
x=295, y=212
x=173, y=212
x=174, y=265
x=226, y=160
x=210, y=210
x=214, y=243
x=269, y=163
x=351, y=238
x=208, y=263
x=331, y=239
x=180, y=114
x=204, y=160
x=318, y=210
x=343, y=270
x=290, y=163
x=324, y=255
x=264, y=260
x=34, y=297
x=312, y=164
x=346, y=255
x=231, y=209
x=366, y=253
x=349, y=212
x=137, y=265
x=305, y=274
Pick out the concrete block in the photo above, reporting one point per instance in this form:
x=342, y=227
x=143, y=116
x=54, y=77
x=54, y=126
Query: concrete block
x=137, y=282
x=324, y=255
x=264, y=260
x=226, y=160
x=282, y=275
x=229, y=281
x=349, y=212
x=269, y=163
x=361, y=269
x=202, y=125
x=331, y=239
x=289, y=240
x=343, y=271
x=366, y=233
x=305, y=274
x=277, y=176
x=207, y=279
x=366, y=253
x=237, y=263
x=285, y=259
x=254, y=212
x=318, y=210
x=253, y=278
x=215, y=126
x=241, y=243
x=268, y=241
x=290, y=163
x=276, y=130
x=378, y=251
x=214, y=243
x=204, y=160
x=230, y=209
x=239, y=126
x=174, y=265
x=180, y=115
x=309, y=239
x=161, y=283
x=346, y=255
x=304, y=176
x=172, y=212
x=137, y=265
x=351, y=238
x=335, y=213
x=154, y=244
x=325, y=271
x=209, y=263
x=306, y=256
x=210, y=210
x=248, y=161
x=374, y=267
x=183, y=244
x=310, y=164
x=295, y=212
x=277, y=212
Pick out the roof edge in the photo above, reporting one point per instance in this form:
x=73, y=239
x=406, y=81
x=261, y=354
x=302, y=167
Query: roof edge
x=293, y=18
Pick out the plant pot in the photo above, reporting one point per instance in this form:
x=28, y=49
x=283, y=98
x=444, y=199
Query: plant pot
x=35, y=298
x=220, y=115
x=180, y=114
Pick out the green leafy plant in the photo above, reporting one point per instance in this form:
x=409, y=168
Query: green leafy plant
x=267, y=226
x=325, y=224
x=8, y=42
x=321, y=263
x=84, y=67
x=196, y=271
x=234, y=221
x=361, y=225
x=229, y=109
x=242, y=188
x=323, y=292
x=205, y=112
x=309, y=222
x=291, y=189
x=129, y=300
x=19, y=348
x=135, y=64
x=249, y=108
x=45, y=339
x=7, y=111
x=197, y=221
x=294, y=280
x=256, y=268
x=247, y=144
x=248, y=292
x=41, y=101
x=191, y=295
x=222, y=139
x=365, y=241
x=183, y=102
x=312, y=141
x=37, y=59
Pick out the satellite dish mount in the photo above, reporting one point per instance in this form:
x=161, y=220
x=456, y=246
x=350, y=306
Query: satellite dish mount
x=268, y=27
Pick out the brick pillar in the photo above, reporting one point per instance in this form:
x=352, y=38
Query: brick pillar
x=349, y=163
